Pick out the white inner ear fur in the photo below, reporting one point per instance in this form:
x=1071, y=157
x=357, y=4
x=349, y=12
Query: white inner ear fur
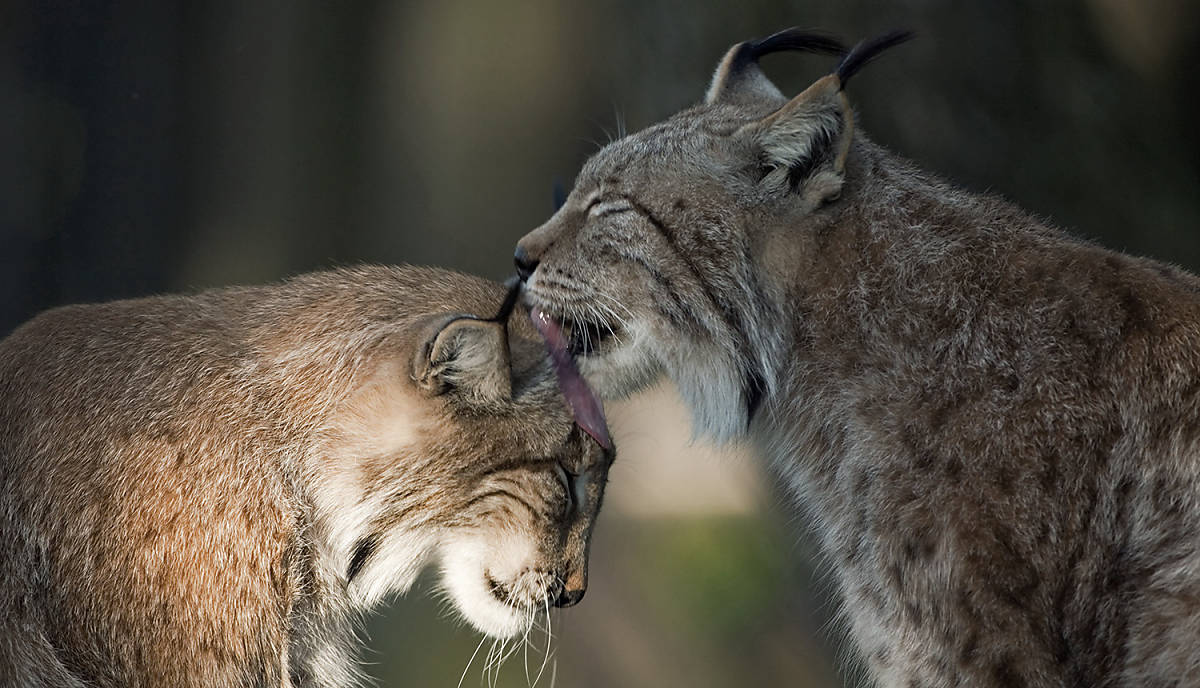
x=821, y=114
x=788, y=139
x=473, y=356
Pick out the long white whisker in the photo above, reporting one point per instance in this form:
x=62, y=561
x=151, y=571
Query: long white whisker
x=495, y=659
x=578, y=316
x=525, y=658
x=546, y=654
x=613, y=301
x=610, y=317
x=620, y=118
x=592, y=141
x=607, y=303
x=499, y=661
x=516, y=646
x=471, y=660
x=483, y=676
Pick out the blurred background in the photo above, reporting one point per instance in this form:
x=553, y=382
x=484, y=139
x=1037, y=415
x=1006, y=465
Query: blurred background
x=165, y=146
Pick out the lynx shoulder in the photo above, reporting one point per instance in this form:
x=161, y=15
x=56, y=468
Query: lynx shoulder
x=994, y=427
x=206, y=490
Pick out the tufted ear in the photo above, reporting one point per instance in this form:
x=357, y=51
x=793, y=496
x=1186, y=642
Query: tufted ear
x=738, y=78
x=805, y=142
x=465, y=355
x=802, y=146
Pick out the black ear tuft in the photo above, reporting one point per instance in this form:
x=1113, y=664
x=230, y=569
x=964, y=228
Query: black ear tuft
x=868, y=50
x=738, y=77
x=793, y=39
x=513, y=287
x=796, y=39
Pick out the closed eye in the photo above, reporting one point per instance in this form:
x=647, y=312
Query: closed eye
x=600, y=208
x=568, y=480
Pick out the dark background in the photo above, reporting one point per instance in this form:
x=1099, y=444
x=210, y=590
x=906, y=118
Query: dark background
x=166, y=146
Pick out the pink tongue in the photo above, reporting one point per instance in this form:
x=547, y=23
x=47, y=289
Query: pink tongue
x=589, y=415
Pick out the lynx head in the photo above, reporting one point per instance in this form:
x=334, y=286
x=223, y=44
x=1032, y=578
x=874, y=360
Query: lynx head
x=673, y=252
x=458, y=446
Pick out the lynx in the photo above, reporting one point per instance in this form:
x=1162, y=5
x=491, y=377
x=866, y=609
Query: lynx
x=993, y=427
x=206, y=490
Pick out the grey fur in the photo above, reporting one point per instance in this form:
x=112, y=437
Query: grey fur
x=992, y=425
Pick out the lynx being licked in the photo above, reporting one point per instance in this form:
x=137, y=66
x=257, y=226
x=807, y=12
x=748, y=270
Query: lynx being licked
x=206, y=490
x=993, y=427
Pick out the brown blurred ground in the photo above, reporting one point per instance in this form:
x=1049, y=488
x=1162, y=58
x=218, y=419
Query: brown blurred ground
x=148, y=147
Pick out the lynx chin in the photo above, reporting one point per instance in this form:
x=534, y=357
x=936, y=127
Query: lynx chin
x=993, y=427
x=207, y=490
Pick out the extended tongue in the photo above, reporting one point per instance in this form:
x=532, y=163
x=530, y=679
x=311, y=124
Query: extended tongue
x=589, y=414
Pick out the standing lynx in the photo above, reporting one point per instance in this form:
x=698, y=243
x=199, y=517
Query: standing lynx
x=206, y=490
x=993, y=427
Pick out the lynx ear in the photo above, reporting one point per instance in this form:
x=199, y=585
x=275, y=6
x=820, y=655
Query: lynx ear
x=467, y=355
x=738, y=78
x=807, y=140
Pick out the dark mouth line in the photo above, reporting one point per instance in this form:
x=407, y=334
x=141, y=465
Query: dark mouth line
x=497, y=589
x=504, y=596
x=584, y=337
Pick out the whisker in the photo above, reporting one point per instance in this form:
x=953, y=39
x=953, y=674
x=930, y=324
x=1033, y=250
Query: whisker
x=607, y=133
x=546, y=654
x=590, y=140
x=516, y=646
x=610, y=315
x=612, y=300
x=525, y=659
x=483, y=676
x=471, y=660
x=497, y=658
x=620, y=118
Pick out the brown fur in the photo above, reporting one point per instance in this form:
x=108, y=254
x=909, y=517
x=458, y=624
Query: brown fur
x=204, y=490
x=992, y=425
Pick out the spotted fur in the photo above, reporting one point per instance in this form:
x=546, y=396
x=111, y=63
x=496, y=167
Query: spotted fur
x=993, y=426
x=207, y=490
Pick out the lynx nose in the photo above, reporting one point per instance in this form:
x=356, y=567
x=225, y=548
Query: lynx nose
x=568, y=598
x=525, y=264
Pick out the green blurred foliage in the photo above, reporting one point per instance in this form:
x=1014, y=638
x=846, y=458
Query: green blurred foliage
x=733, y=573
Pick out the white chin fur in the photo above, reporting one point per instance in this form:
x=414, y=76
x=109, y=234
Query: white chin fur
x=711, y=386
x=627, y=365
x=466, y=565
x=708, y=381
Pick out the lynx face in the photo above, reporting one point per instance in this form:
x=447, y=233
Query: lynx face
x=241, y=470
x=518, y=515
x=673, y=251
